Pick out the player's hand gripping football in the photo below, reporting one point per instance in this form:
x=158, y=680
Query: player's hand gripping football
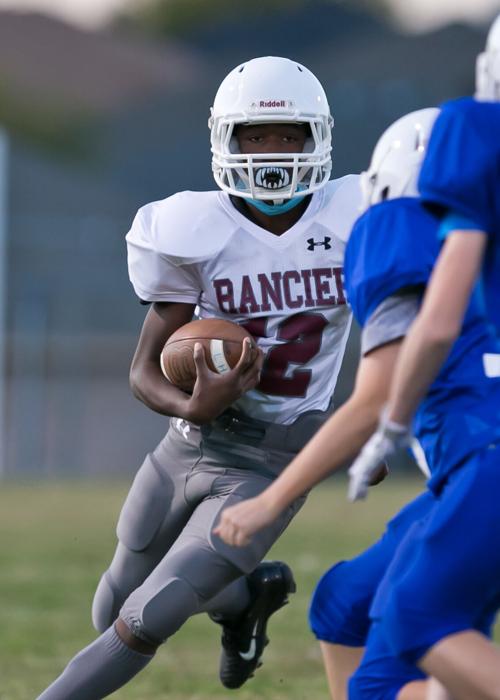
x=239, y=522
x=214, y=392
x=385, y=442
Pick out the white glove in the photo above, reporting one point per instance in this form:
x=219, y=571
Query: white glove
x=385, y=442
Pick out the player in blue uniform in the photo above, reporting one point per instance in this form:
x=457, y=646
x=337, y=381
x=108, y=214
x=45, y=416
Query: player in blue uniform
x=434, y=623
x=385, y=271
x=389, y=258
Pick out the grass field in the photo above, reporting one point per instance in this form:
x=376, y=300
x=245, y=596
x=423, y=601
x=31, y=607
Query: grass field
x=56, y=539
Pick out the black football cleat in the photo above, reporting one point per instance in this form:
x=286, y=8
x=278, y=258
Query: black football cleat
x=244, y=639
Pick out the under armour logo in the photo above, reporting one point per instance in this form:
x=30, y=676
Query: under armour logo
x=313, y=243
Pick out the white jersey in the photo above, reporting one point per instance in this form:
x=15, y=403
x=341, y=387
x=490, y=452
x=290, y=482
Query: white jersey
x=197, y=248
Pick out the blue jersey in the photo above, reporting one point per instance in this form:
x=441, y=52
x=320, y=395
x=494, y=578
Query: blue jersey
x=393, y=247
x=461, y=174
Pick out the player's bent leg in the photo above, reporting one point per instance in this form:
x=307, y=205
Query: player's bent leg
x=465, y=589
x=98, y=670
x=153, y=515
x=417, y=690
x=339, y=610
x=175, y=591
x=340, y=663
x=338, y=617
x=168, y=597
x=127, y=571
x=367, y=687
x=270, y=583
x=381, y=675
x=436, y=691
x=230, y=602
x=189, y=575
x=467, y=664
x=340, y=603
x=107, y=602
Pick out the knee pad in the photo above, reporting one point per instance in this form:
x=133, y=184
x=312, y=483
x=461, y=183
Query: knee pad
x=106, y=604
x=156, y=619
x=338, y=612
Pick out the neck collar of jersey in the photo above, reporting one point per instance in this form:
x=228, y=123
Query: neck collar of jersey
x=275, y=209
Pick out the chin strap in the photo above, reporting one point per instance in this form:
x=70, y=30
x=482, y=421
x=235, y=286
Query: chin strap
x=275, y=209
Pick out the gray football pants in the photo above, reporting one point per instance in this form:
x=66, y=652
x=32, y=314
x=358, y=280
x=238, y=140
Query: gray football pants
x=168, y=564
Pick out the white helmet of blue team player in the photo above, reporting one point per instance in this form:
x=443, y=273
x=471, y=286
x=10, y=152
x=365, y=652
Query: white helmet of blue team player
x=397, y=158
x=488, y=66
x=262, y=91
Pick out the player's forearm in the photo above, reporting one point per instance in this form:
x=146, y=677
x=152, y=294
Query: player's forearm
x=150, y=386
x=336, y=443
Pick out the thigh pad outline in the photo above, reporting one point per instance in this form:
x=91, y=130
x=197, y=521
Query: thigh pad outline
x=145, y=507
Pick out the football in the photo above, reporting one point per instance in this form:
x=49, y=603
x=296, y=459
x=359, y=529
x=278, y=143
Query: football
x=222, y=343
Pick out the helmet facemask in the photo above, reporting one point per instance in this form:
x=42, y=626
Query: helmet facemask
x=271, y=177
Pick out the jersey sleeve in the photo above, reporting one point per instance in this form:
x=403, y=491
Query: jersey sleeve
x=390, y=320
x=456, y=222
x=459, y=171
x=154, y=275
x=392, y=248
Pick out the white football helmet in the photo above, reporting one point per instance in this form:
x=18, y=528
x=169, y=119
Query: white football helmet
x=488, y=66
x=397, y=157
x=261, y=91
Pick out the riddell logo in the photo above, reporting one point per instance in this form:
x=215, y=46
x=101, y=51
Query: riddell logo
x=284, y=105
x=273, y=103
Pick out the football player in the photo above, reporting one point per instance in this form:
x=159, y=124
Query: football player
x=265, y=251
x=389, y=259
x=460, y=179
